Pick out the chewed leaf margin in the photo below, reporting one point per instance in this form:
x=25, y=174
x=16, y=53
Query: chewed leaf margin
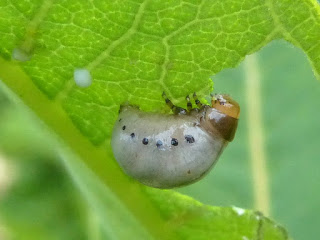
x=134, y=51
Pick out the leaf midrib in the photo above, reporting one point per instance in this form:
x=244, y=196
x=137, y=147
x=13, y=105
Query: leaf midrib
x=53, y=115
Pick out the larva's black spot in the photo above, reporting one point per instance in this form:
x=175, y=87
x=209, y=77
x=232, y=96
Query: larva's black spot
x=189, y=138
x=120, y=120
x=189, y=172
x=174, y=142
x=124, y=127
x=159, y=143
x=132, y=135
x=145, y=141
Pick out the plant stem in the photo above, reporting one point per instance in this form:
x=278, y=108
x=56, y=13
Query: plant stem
x=256, y=135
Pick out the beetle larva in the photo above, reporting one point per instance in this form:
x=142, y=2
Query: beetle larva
x=172, y=150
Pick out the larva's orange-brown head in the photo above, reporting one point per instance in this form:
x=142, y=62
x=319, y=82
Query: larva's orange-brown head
x=226, y=105
x=222, y=117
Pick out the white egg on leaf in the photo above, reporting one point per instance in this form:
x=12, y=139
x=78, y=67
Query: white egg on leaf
x=82, y=77
x=172, y=150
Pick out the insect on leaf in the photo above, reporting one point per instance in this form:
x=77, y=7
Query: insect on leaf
x=134, y=50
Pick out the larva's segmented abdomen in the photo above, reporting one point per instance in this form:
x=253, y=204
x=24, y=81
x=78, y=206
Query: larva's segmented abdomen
x=164, y=151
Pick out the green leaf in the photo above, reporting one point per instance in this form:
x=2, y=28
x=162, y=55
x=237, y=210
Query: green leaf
x=289, y=117
x=134, y=50
x=109, y=216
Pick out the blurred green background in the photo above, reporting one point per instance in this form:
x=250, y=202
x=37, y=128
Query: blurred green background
x=38, y=199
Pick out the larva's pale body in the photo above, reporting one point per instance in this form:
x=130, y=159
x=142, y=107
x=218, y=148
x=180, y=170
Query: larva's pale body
x=170, y=150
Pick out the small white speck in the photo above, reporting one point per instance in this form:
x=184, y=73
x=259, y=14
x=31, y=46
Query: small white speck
x=245, y=238
x=82, y=77
x=20, y=55
x=239, y=211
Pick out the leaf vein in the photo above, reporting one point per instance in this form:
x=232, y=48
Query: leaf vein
x=106, y=53
x=28, y=43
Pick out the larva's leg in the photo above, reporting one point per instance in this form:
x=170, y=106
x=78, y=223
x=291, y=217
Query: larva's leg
x=189, y=104
x=195, y=97
x=175, y=109
x=168, y=102
x=213, y=99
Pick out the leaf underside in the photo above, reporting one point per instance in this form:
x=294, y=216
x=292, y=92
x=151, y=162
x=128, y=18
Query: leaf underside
x=134, y=51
